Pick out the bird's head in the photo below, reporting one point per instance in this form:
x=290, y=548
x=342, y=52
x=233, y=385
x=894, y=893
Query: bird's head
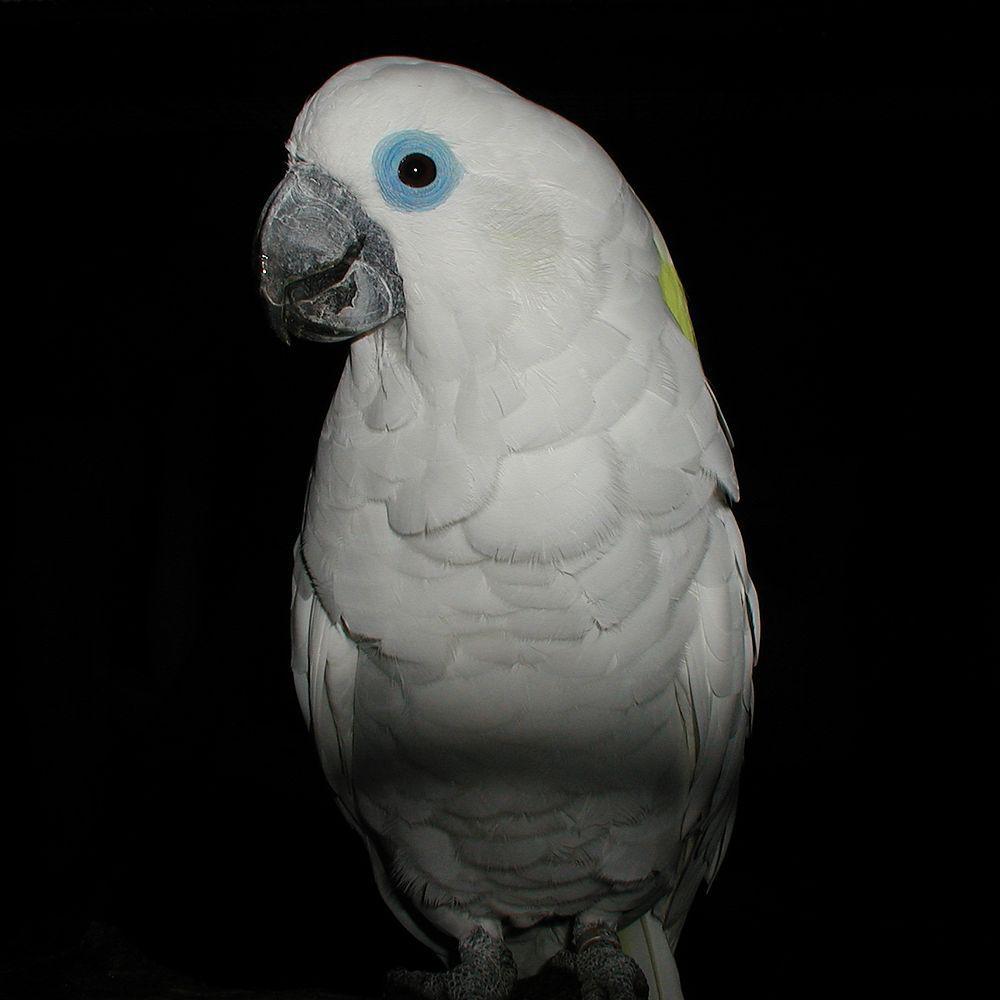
x=429, y=191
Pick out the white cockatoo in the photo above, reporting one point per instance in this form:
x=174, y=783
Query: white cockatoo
x=523, y=627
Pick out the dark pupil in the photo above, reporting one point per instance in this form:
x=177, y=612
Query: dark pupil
x=417, y=170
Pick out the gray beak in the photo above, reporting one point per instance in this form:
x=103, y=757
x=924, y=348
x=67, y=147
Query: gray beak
x=328, y=272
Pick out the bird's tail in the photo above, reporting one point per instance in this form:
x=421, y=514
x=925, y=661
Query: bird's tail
x=647, y=944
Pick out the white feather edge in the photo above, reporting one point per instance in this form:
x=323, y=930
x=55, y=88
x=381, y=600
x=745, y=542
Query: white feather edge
x=324, y=668
x=645, y=942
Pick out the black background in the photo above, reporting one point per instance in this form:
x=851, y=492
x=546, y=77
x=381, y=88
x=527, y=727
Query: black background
x=816, y=171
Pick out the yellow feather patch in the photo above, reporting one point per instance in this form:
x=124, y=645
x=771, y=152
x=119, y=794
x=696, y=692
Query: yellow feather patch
x=673, y=295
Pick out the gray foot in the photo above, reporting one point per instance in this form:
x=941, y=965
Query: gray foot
x=486, y=971
x=603, y=970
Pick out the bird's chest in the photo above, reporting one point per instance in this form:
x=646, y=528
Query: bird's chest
x=514, y=703
x=515, y=675
x=510, y=787
x=480, y=722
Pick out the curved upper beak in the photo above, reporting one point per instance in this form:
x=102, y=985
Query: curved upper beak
x=328, y=271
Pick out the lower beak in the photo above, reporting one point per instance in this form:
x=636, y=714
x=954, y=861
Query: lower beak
x=328, y=271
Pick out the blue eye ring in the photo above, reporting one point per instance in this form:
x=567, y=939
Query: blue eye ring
x=394, y=149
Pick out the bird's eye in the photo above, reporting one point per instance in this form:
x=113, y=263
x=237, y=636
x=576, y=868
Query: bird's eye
x=415, y=170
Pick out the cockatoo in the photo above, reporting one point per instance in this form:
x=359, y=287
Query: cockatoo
x=523, y=627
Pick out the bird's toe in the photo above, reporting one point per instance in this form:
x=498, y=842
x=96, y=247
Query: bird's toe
x=605, y=972
x=486, y=971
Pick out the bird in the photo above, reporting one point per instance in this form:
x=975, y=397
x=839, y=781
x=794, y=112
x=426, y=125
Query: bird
x=523, y=628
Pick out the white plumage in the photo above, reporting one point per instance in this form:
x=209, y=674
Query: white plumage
x=523, y=624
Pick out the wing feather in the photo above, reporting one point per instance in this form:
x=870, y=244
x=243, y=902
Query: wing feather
x=325, y=663
x=324, y=668
x=714, y=687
